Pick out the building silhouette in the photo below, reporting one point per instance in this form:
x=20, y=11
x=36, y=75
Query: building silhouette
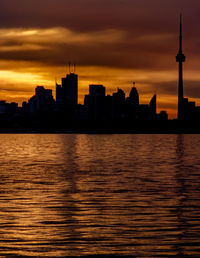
x=180, y=59
x=133, y=96
x=42, y=101
x=101, y=107
x=70, y=87
x=68, y=91
x=153, y=105
x=59, y=92
x=95, y=102
x=67, y=97
x=118, y=105
x=8, y=108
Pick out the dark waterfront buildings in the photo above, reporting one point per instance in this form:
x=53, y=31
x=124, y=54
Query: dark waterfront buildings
x=100, y=112
x=117, y=107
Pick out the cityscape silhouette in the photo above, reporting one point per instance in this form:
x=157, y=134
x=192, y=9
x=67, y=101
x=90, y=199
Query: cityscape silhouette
x=100, y=113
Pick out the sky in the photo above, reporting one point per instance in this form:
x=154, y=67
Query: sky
x=113, y=42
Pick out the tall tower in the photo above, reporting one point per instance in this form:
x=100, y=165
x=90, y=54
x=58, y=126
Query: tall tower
x=180, y=58
x=70, y=88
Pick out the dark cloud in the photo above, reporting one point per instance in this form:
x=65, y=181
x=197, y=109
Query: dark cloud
x=150, y=31
x=191, y=88
x=136, y=15
x=110, y=48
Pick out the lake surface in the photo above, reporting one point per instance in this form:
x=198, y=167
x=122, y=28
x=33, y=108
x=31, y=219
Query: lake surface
x=76, y=195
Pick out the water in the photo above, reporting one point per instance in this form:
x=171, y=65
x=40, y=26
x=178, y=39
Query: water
x=64, y=195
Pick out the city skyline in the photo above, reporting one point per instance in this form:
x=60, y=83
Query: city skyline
x=112, y=46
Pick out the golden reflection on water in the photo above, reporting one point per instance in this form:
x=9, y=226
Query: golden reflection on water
x=65, y=195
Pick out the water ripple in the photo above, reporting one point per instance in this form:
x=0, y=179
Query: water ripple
x=80, y=195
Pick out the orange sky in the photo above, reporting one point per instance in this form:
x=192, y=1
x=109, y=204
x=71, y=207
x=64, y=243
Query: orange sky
x=113, y=43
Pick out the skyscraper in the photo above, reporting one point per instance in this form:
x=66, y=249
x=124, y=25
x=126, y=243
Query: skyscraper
x=68, y=91
x=70, y=87
x=42, y=101
x=134, y=96
x=95, y=102
x=152, y=105
x=180, y=58
x=118, y=104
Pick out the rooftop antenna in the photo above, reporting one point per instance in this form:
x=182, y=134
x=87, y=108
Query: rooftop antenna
x=180, y=36
x=69, y=67
x=74, y=68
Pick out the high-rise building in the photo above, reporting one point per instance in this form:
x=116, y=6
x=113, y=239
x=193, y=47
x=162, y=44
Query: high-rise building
x=97, y=90
x=70, y=88
x=59, y=93
x=44, y=98
x=132, y=104
x=180, y=58
x=152, y=105
x=133, y=96
x=95, y=102
x=118, y=104
x=42, y=101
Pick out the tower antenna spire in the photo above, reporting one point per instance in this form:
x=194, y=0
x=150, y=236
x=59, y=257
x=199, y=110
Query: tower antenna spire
x=180, y=36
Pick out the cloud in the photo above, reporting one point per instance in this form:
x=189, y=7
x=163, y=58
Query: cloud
x=138, y=16
x=109, y=48
x=191, y=88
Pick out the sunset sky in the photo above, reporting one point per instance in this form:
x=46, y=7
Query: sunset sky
x=113, y=42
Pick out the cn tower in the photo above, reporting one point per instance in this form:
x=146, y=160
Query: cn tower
x=180, y=58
